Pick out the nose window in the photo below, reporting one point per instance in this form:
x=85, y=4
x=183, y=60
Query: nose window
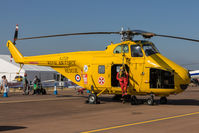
x=149, y=49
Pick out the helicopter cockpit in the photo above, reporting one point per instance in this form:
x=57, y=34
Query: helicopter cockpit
x=136, y=49
x=148, y=47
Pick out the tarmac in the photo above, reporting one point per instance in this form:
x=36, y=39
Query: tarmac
x=67, y=112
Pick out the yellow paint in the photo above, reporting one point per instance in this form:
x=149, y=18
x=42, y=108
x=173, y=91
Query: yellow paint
x=82, y=68
x=143, y=122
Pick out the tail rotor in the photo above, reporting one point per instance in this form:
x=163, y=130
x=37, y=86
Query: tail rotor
x=15, y=38
x=16, y=34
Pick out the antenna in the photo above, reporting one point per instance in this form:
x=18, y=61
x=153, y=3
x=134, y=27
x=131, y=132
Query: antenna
x=122, y=34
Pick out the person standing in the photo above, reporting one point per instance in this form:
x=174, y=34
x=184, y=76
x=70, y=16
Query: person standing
x=5, y=84
x=122, y=77
x=36, y=85
x=25, y=85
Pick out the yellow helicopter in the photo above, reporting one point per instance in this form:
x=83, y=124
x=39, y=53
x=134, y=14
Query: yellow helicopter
x=150, y=73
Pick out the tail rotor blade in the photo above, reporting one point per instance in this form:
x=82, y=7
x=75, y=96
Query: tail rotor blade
x=16, y=34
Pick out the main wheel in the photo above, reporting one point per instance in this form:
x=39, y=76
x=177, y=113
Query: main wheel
x=134, y=100
x=92, y=99
x=163, y=100
x=150, y=101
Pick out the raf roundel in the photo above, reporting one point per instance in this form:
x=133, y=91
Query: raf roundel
x=77, y=78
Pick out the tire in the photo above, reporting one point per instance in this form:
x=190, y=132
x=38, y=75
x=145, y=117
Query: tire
x=163, y=100
x=150, y=101
x=92, y=99
x=43, y=91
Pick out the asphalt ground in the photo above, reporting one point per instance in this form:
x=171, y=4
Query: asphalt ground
x=68, y=113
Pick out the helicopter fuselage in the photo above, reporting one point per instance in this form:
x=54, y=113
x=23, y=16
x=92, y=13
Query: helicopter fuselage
x=149, y=71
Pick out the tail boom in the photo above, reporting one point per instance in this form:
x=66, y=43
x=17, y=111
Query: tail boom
x=52, y=60
x=18, y=57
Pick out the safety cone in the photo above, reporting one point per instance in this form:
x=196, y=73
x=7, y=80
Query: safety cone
x=5, y=93
x=55, y=90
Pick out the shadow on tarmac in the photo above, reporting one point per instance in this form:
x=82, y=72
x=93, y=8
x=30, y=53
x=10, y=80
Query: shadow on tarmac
x=183, y=102
x=142, y=101
x=71, y=96
x=190, y=102
x=7, y=128
x=110, y=99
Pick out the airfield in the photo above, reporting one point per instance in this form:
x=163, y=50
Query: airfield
x=67, y=112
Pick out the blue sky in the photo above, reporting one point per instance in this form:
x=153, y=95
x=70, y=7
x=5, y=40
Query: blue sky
x=45, y=17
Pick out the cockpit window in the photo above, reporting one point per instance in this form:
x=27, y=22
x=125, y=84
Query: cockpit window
x=118, y=49
x=136, y=51
x=149, y=49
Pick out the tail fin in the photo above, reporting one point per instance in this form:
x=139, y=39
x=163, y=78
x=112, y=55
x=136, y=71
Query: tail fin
x=18, y=57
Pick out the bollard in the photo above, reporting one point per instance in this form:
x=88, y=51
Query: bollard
x=55, y=90
x=5, y=93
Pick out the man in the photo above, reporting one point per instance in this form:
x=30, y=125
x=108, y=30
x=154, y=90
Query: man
x=36, y=82
x=122, y=77
x=25, y=85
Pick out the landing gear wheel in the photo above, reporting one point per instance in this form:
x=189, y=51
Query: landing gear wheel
x=92, y=99
x=150, y=101
x=134, y=100
x=163, y=100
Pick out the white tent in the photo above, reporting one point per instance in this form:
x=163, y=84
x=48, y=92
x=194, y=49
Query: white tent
x=11, y=69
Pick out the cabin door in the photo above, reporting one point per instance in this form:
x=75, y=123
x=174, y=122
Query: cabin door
x=115, y=68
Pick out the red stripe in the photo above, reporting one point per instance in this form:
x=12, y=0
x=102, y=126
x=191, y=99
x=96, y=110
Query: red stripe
x=33, y=62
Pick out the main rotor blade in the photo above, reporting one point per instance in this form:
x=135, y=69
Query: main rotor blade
x=145, y=34
x=175, y=37
x=71, y=34
x=150, y=34
x=182, y=38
